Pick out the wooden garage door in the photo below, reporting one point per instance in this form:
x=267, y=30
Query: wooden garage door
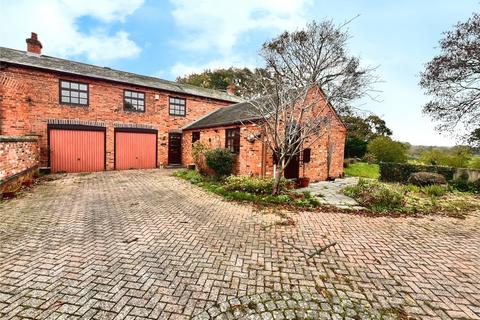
x=135, y=150
x=77, y=150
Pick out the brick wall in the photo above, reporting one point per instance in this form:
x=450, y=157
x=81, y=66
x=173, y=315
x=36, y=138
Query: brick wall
x=30, y=98
x=18, y=156
x=249, y=161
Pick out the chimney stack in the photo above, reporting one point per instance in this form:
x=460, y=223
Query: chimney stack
x=33, y=45
x=231, y=89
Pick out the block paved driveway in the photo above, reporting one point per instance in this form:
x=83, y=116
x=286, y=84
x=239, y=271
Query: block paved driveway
x=142, y=244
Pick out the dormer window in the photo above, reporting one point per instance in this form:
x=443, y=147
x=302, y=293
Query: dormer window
x=133, y=101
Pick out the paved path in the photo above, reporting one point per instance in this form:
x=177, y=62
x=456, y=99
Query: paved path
x=144, y=245
x=330, y=192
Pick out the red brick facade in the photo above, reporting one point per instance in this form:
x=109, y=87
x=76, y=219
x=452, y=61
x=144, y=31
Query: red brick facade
x=30, y=98
x=256, y=159
x=19, y=156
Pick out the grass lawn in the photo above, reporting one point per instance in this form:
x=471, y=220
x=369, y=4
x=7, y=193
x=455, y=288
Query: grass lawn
x=363, y=169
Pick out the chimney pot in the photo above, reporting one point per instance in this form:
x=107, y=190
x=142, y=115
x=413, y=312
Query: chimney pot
x=231, y=89
x=33, y=44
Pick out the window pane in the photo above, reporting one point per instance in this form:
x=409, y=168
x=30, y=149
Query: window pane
x=140, y=102
x=83, y=101
x=141, y=95
x=128, y=100
x=65, y=93
x=66, y=99
x=74, y=100
x=83, y=87
x=128, y=94
x=83, y=95
x=74, y=85
x=134, y=94
x=65, y=84
x=74, y=94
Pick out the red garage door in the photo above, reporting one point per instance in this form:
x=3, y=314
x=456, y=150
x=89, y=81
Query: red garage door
x=74, y=150
x=135, y=150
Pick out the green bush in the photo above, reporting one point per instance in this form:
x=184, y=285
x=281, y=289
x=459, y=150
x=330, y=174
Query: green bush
x=252, y=184
x=386, y=150
x=400, y=172
x=474, y=163
x=221, y=161
x=376, y=196
x=434, y=190
x=466, y=186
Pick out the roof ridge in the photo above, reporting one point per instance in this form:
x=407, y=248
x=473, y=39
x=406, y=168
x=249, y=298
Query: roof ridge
x=207, y=92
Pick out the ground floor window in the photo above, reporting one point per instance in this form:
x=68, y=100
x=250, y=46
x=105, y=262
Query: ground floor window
x=232, y=140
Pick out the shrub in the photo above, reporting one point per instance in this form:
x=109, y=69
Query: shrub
x=369, y=158
x=400, y=172
x=198, y=155
x=426, y=178
x=220, y=160
x=434, y=190
x=376, y=196
x=474, y=163
x=386, y=150
x=251, y=184
x=355, y=147
x=466, y=186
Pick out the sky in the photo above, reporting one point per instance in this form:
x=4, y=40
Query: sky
x=172, y=38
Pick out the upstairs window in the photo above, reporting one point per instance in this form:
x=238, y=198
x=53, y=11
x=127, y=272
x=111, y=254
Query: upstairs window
x=232, y=140
x=177, y=106
x=195, y=136
x=73, y=93
x=133, y=101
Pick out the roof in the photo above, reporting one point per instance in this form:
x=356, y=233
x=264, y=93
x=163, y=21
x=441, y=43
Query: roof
x=236, y=113
x=23, y=58
x=239, y=113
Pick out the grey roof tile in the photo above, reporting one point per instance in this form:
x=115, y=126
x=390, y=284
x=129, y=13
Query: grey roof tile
x=72, y=67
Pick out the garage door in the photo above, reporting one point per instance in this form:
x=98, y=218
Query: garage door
x=73, y=150
x=135, y=149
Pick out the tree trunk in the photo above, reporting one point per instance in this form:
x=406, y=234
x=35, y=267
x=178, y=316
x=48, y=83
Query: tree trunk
x=276, y=183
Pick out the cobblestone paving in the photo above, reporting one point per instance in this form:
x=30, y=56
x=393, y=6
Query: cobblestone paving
x=142, y=244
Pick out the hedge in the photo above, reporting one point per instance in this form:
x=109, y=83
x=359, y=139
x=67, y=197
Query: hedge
x=400, y=172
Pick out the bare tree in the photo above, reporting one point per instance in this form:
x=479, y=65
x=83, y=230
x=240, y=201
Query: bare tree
x=452, y=78
x=306, y=72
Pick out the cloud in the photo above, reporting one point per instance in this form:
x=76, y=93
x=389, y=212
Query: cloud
x=57, y=25
x=217, y=25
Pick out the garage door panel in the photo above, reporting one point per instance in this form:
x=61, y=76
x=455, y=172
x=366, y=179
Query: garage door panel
x=135, y=150
x=77, y=150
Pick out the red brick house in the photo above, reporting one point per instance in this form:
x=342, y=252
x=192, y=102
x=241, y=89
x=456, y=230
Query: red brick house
x=91, y=118
x=236, y=127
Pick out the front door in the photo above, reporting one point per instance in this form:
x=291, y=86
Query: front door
x=174, y=148
x=293, y=168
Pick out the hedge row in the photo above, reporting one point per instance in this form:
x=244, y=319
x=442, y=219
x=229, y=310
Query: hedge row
x=399, y=172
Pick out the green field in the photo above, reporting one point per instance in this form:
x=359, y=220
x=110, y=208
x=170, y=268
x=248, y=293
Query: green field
x=362, y=169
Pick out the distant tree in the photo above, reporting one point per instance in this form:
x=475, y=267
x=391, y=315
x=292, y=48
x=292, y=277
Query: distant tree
x=361, y=131
x=458, y=156
x=241, y=80
x=474, y=139
x=452, y=78
x=386, y=150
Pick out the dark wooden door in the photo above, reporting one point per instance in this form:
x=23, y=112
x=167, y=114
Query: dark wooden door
x=174, y=148
x=293, y=168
